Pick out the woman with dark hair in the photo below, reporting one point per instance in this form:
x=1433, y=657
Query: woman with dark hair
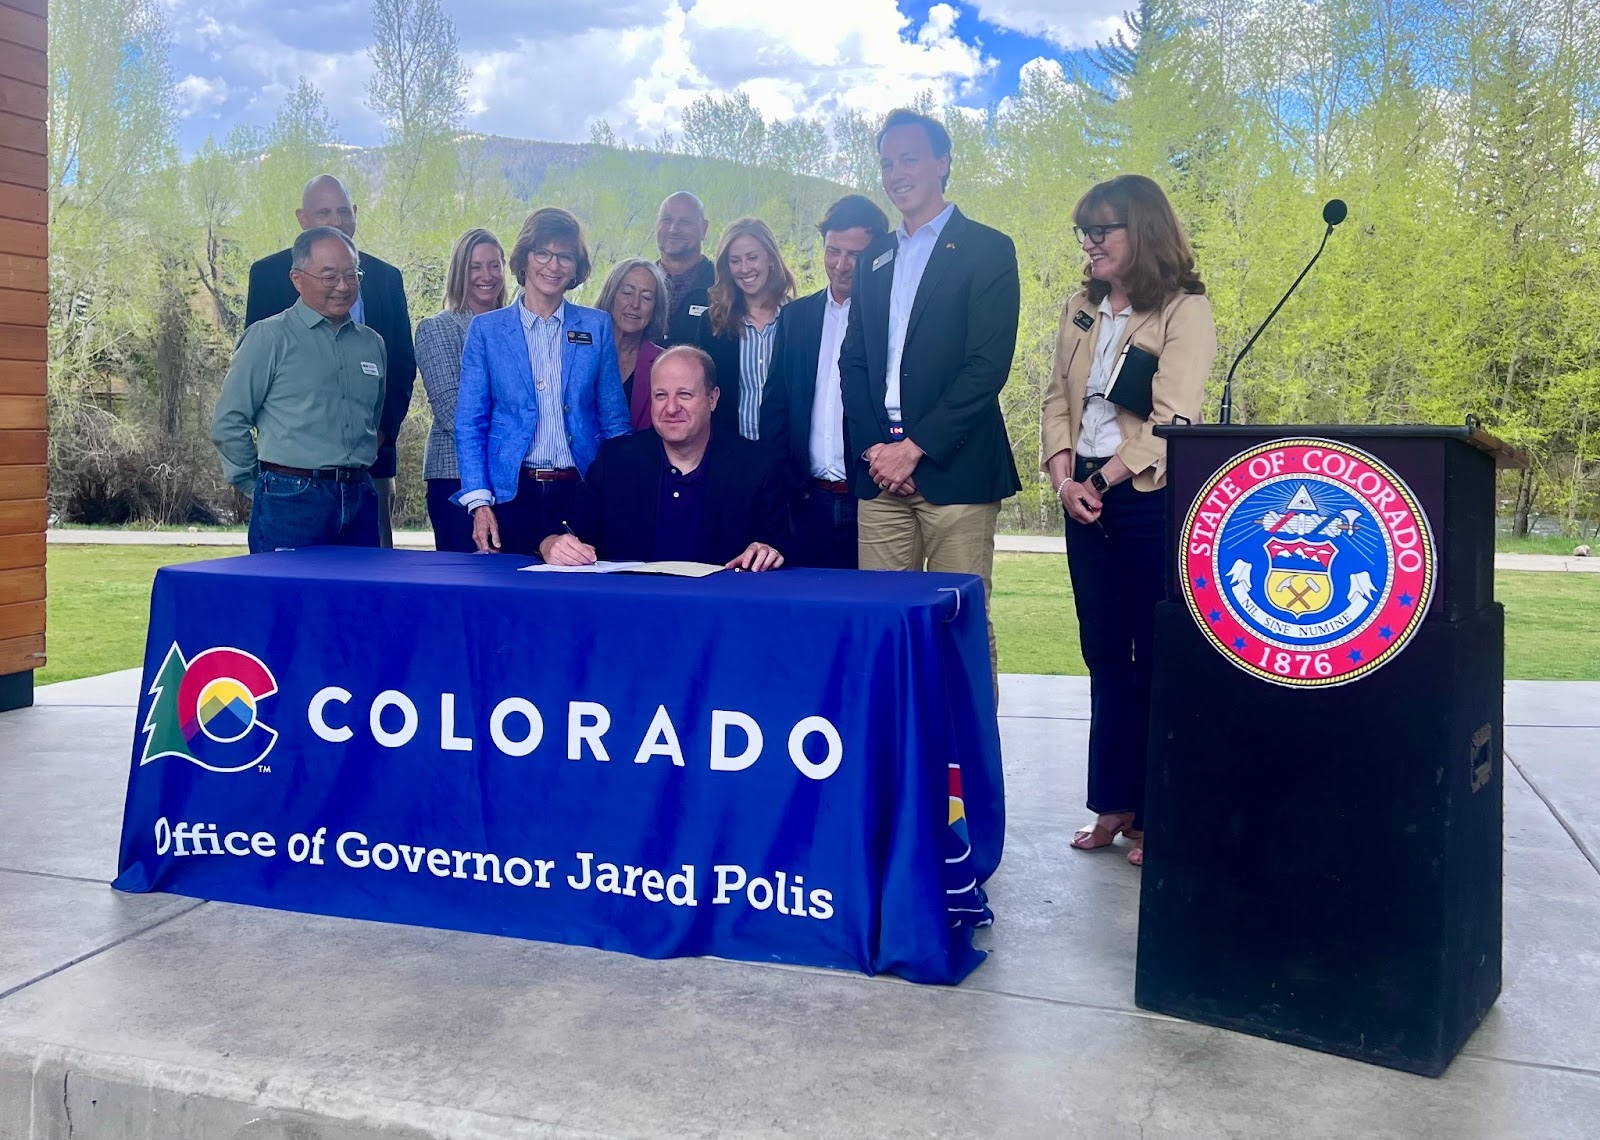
x=1135, y=345
x=475, y=283
x=539, y=392
x=740, y=321
x=635, y=296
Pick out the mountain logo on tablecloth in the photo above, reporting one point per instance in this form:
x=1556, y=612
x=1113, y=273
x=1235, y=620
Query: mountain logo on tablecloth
x=207, y=710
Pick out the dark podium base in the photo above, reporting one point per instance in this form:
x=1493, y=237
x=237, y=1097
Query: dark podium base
x=16, y=690
x=1323, y=868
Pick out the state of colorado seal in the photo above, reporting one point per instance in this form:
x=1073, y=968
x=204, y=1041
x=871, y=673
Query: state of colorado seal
x=1307, y=562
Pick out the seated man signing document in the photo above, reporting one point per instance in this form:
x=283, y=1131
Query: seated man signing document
x=680, y=492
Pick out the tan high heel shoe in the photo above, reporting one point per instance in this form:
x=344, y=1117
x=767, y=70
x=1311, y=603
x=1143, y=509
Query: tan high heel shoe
x=1098, y=834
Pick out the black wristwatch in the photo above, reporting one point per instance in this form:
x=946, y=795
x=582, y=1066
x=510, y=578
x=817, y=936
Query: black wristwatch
x=1098, y=482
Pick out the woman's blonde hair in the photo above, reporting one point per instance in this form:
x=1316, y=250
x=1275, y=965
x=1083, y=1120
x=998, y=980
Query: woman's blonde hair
x=656, y=330
x=1161, y=261
x=726, y=305
x=457, y=278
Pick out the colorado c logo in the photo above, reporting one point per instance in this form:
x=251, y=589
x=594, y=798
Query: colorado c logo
x=1307, y=562
x=207, y=710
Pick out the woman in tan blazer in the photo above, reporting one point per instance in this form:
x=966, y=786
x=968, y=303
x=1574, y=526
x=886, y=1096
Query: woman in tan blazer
x=1133, y=351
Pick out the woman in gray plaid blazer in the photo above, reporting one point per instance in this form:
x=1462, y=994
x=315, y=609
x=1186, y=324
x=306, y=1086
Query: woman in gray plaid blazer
x=476, y=283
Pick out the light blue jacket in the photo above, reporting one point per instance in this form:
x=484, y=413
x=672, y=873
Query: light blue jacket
x=497, y=410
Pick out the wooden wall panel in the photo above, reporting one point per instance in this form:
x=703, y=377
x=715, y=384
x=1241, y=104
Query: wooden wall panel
x=19, y=482
x=18, y=306
x=21, y=342
x=24, y=204
x=22, y=516
x=19, y=653
x=23, y=413
x=25, y=238
x=26, y=134
x=40, y=8
x=23, y=377
x=24, y=314
x=21, y=551
x=29, y=448
x=21, y=63
x=22, y=28
x=19, y=98
x=21, y=586
x=21, y=620
x=30, y=274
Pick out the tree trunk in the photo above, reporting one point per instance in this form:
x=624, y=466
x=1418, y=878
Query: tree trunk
x=1519, y=521
x=172, y=352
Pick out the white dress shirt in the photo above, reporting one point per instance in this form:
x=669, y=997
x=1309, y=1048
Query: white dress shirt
x=550, y=447
x=827, y=405
x=1098, y=435
x=910, y=262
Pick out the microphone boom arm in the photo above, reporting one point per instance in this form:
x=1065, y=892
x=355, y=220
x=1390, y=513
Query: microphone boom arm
x=1227, y=385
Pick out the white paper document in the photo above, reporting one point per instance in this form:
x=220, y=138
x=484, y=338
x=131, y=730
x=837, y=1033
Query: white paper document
x=592, y=568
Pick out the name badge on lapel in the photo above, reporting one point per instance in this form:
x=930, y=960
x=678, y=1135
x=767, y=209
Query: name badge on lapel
x=696, y=310
x=882, y=259
x=370, y=368
x=579, y=338
x=1083, y=320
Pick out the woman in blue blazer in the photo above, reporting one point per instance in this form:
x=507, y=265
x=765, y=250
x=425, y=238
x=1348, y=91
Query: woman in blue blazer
x=539, y=391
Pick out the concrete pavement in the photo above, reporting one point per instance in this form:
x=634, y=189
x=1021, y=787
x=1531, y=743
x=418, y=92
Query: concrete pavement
x=423, y=540
x=161, y=1017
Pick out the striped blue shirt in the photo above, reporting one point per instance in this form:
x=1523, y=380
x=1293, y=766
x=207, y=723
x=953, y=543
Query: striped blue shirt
x=755, y=357
x=550, y=447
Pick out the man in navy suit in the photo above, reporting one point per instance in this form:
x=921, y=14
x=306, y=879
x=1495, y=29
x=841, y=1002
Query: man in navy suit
x=380, y=305
x=539, y=392
x=682, y=492
x=802, y=409
x=933, y=325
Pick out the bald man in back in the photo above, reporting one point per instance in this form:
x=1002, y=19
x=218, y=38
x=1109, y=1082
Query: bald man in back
x=681, y=229
x=380, y=305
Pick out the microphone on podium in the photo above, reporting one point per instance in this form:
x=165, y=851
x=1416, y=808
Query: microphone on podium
x=1333, y=212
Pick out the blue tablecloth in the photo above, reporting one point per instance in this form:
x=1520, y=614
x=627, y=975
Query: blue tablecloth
x=801, y=766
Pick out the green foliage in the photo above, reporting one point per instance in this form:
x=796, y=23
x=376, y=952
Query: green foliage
x=1464, y=138
x=99, y=602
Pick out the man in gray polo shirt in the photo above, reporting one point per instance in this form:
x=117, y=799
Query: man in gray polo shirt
x=297, y=420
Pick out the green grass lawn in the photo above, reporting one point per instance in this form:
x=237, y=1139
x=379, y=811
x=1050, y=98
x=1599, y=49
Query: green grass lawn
x=100, y=602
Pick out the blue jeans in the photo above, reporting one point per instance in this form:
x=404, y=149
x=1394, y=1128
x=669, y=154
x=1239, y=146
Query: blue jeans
x=824, y=530
x=1118, y=573
x=291, y=511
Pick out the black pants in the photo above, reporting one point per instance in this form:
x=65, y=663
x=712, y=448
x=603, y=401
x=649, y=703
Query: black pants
x=452, y=526
x=824, y=530
x=1118, y=573
x=538, y=511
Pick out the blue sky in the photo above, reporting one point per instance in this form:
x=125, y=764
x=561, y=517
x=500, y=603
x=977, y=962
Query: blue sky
x=548, y=71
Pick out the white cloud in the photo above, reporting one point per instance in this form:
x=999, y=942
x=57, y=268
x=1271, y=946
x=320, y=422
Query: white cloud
x=198, y=95
x=1066, y=23
x=635, y=63
x=791, y=59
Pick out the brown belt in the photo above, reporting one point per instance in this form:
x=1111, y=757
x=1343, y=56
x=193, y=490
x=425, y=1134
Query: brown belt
x=837, y=486
x=551, y=474
x=337, y=474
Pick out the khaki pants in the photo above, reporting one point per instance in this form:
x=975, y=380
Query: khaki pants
x=910, y=533
x=385, y=489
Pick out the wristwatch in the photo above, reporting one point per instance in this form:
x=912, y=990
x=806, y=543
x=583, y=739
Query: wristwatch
x=1098, y=482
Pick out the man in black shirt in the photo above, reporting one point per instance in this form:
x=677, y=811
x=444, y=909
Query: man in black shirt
x=681, y=236
x=680, y=492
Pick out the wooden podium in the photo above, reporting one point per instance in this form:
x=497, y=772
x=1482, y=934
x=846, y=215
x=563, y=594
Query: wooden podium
x=1323, y=844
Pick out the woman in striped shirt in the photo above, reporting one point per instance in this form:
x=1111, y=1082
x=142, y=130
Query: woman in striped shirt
x=741, y=321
